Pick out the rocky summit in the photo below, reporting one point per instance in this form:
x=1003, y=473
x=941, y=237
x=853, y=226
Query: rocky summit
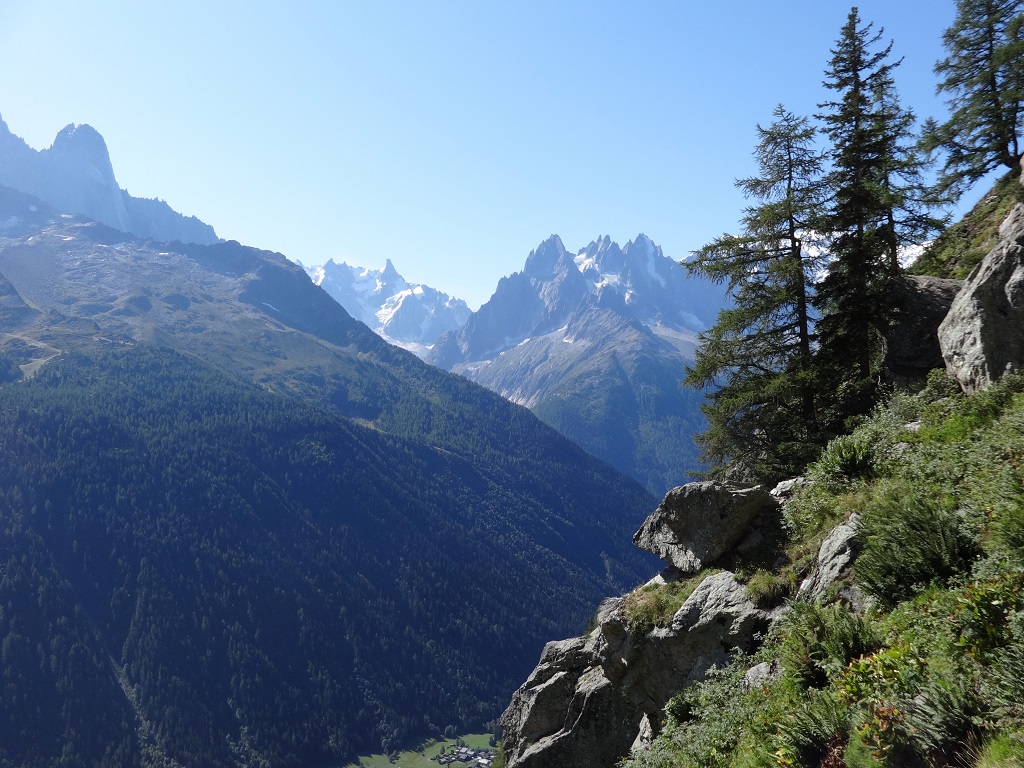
x=410, y=315
x=74, y=175
x=595, y=343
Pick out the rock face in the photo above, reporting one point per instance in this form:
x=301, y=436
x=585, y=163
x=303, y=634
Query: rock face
x=836, y=554
x=75, y=176
x=590, y=698
x=912, y=343
x=983, y=335
x=699, y=522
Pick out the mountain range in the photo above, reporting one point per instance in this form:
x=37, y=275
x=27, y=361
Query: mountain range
x=240, y=528
x=411, y=316
x=595, y=343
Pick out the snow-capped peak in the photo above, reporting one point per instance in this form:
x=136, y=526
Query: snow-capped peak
x=409, y=315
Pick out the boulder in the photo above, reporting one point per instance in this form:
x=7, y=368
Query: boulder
x=762, y=674
x=697, y=523
x=593, y=698
x=786, y=488
x=836, y=554
x=982, y=336
x=912, y=342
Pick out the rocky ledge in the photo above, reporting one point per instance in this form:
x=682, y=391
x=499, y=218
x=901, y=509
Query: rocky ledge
x=590, y=698
x=593, y=698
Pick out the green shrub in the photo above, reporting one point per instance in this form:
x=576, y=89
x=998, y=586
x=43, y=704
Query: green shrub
x=987, y=611
x=881, y=677
x=818, y=728
x=1004, y=684
x=845, y=458
x=820, y=640
x=938, y=386
x=654, y=605
x=961, y=416
x=909, y=543
x=705, y=722
x=940, y=712
x=1007, y=529
x=816, y=510
x=767, y=589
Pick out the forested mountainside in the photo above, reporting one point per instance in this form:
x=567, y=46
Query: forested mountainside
x=239, y=527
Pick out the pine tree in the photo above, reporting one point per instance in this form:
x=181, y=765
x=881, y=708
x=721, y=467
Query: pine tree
x=854, y=297
x=983, y=76
x=756, y=361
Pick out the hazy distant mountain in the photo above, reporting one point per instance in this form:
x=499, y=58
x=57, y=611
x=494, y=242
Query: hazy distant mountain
x=412, y=316
x=238, y=528
x=595, y=344
x=74, y=175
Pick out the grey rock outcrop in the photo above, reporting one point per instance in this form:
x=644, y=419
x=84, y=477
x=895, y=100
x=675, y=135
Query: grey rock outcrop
x=592, y=699
x=983, y=335
x=697, y=523
x=785, y=489
x=912, y=343
x=589, y=699
x=761, y=674
x=835, y=556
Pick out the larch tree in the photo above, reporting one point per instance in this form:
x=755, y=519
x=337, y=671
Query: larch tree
x=757, y=361
x=983, y=79
x=909, y=202
x=854, y=297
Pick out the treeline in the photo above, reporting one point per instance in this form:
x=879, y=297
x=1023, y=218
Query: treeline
x=197, y=572
x=835, y=201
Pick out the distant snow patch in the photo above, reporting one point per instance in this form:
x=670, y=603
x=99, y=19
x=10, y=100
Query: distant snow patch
x=911, y=253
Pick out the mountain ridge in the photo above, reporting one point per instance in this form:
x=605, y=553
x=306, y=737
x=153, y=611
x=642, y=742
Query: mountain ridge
x=596, y=343
x=409, y=315
x=75, y=175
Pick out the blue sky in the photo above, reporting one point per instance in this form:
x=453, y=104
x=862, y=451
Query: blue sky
x=450, y=136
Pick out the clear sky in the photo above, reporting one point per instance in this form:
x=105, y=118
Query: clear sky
x=451, y=136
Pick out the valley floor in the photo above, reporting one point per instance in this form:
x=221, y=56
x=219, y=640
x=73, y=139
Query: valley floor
x=426, y=755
